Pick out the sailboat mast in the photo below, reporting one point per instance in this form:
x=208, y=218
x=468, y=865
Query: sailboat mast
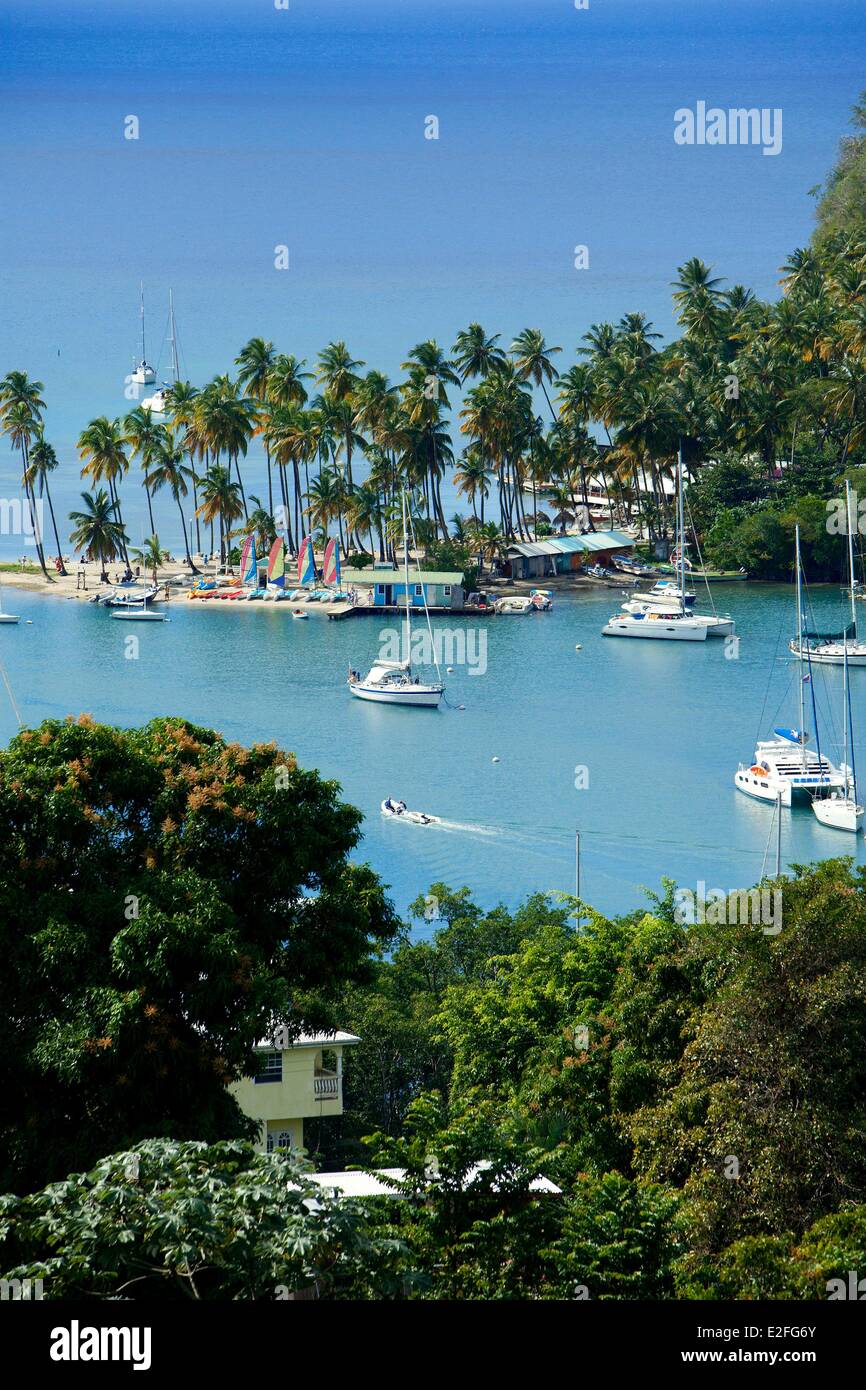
x=800, y=640
x=850, y=529
x=406, y=581
x=681, y=529
x=141, y=316
x=845, y=705
x=175, y=366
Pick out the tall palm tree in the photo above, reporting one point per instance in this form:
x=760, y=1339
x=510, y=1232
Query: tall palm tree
x=532, y=360
x=256, y=360
x=181, y=404
x=96, y=532
x=337, y=371
x=472, y=479
x=221, y=502
x=21, y=407
x=475, y=354
x=169, y=470
x=43, y=460
x=102, y=444
x=142, y=434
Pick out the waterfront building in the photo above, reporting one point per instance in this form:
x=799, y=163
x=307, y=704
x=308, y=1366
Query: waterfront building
x=566, y=554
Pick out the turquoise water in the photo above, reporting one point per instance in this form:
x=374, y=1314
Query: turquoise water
x=659, y=728
x=305, y=128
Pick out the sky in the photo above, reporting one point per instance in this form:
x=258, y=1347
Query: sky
x=305, y=127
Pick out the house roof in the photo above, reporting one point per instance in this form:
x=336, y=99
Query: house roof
x=312, y=1040
x=375, y=1185
x=571, y=545
x=369, y=576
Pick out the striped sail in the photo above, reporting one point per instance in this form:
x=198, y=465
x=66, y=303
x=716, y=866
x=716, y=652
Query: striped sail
x=277, y=564
x=306, y=563
x=249, y=570
x=331, y=566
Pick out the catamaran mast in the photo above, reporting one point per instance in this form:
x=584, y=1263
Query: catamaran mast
x=141, y=315
x=681, y=528
x=800, y=640
x=172, y=338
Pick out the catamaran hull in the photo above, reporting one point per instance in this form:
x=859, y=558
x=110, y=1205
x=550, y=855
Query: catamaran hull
x=425, y=696
x=679, y=630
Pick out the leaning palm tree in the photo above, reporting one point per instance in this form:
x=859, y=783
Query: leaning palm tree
x=151, y=557
x=472, y=479
x=181, y=403
x=102, y=445
x=337, y=371
x=532, y=360
x=256, y=360
x=169, y=470
x=96, y=532
x=43, y=460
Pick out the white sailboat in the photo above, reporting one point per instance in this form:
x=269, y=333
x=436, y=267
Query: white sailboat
x=392, y=682
x=836, y=649
x=142, y=373
x=6, y=617
x=841, y=810
x=158, y=403
x=778, y=773
x=664, y=612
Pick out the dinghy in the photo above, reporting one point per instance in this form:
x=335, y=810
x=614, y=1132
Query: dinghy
x=398, y=810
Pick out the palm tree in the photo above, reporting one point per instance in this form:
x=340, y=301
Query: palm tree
x=181, y=403
x=256, y=360
x=102, y=445
x=337, y=371
x=43, y=460
x=21, y=407
x=96, y=532
x=142, y=433
x=475, y=354
x=221, y=501
x=169, y=470
x=472, y=479
x=151, y=556
x=532, y=360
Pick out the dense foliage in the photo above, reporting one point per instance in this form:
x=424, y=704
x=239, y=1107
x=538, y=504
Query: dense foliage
x=163, y=895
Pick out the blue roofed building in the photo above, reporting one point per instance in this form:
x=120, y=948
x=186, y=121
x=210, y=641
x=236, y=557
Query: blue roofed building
x=566, y=554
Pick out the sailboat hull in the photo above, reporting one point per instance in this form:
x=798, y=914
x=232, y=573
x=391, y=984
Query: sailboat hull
x=831, y=654
x=427, y=696
x=838, y=813
x=662, y=629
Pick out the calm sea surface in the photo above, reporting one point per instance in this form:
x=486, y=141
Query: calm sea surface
x=659, y=728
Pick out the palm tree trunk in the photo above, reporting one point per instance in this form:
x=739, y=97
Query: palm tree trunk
x=185, y=537
x=63, y=570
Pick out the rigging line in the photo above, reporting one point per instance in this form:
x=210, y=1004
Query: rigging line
x=770, y=674
x=777, y=811
x=700, y=561
x=10, y=694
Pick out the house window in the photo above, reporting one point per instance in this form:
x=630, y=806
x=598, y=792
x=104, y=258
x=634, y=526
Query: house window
x=446, y=589
x=270, y=1068
x=418, y=590
x=283, y=1140
x=380, y=588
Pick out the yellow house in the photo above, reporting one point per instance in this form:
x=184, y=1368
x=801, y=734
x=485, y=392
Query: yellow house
x=300, y=1079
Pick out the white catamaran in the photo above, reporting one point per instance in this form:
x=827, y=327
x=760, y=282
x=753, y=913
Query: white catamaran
x=392, y=682
x=784, y=768
x=142, y=373
x=664, y=613
x=158, y=404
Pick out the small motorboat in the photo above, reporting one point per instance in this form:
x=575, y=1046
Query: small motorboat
x=398, y=810
x=298, y=613
x=138, y=615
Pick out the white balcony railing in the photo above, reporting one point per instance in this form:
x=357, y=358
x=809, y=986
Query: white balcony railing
x=326, y=1087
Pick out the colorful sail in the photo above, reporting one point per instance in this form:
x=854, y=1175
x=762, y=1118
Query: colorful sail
x=249, y=568
x=277, y=564
x=306, y=562
x=331, y=566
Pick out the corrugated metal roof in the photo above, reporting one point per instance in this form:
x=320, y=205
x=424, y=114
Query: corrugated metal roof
x=368, y=576
x=571, y=545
